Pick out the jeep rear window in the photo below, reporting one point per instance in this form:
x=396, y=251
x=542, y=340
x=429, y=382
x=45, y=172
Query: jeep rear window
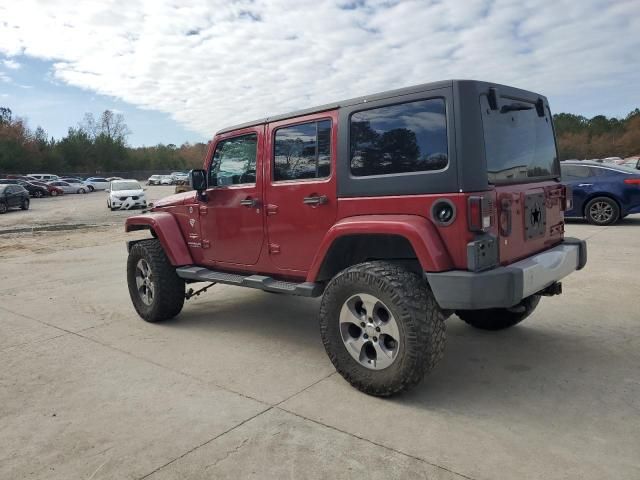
x=403, y=138
x=519, y=144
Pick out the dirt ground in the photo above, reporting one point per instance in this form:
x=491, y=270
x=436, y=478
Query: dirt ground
x=239, y=386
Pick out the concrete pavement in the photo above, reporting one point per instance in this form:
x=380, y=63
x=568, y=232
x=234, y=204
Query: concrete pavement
x=239, y=386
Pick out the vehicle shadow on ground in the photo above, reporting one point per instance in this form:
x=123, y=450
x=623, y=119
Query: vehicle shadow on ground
x=522, y=361
x=282, y=318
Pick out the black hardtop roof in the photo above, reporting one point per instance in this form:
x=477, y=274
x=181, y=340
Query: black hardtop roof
x=367, y=98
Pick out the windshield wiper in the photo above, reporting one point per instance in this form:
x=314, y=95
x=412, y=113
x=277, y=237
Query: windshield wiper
x=514, y=107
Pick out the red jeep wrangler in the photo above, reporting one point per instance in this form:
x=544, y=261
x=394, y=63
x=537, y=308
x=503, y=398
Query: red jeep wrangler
x=399, y=209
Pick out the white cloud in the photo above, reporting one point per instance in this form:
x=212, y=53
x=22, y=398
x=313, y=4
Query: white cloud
x=11, y=64
x=214, y=63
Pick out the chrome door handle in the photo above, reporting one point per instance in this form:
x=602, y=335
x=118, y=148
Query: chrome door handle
x=585, y=184
x=317, y=200
x=249, y=202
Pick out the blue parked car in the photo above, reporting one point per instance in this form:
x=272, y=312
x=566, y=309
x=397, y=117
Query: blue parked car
x=603, y=193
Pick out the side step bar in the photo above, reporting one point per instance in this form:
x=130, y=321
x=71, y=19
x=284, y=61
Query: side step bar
x=199, y=274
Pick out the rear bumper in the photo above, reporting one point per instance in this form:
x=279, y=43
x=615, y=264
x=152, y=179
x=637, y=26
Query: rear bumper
x=507, y=286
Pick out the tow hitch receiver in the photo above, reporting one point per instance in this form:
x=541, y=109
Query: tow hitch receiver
x=553, y=289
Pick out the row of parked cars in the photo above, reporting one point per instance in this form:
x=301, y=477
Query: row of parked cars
x=15, y=191
x=176, y=178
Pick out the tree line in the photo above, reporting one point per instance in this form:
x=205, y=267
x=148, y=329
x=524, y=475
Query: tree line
x=94, y=146
x=598, y=137
x=98, y=145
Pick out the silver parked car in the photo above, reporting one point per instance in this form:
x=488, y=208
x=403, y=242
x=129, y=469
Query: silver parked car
x=68, y=187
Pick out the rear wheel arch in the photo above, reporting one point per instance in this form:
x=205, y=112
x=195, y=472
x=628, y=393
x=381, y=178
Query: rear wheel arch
x=349, y=250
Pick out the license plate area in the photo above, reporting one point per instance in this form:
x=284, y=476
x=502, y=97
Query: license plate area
x=535, y=215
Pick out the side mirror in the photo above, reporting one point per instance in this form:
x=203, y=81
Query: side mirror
x=198, y=180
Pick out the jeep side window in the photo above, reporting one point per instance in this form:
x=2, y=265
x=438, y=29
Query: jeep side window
x=408, y=137
x=234, y=161
x=302, y=151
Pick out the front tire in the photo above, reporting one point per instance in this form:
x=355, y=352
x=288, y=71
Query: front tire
x=82, y=190
x=54, y=193
x=500, y=318
x=25, y=204
x=602, y=211
x=37, y=194
x=381, y=327
x=3, y=208
x=156, y=291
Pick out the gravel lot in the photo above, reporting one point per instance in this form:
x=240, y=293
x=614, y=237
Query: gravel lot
x=239, y=386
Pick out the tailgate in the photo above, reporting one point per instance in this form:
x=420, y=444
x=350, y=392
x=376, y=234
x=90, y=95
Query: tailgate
x=530, y=218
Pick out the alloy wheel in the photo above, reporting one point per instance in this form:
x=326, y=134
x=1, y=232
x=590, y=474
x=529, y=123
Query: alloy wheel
x=601, y=212
x=144, y=282
x=369, y=331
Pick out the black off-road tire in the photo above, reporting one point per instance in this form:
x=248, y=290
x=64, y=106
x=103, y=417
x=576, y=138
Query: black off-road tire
x=609, y=219
x=169, y=289
x=25, y=204
x=500, y=318
x=420, y=323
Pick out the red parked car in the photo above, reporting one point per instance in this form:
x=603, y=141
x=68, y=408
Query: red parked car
x=53, y=191
x=399, y=209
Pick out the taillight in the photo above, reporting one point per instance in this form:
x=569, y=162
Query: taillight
x=632, y=181
x=479, y=214
x=567, y=199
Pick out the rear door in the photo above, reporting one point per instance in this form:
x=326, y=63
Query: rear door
x=232, y=216
x=300, y=188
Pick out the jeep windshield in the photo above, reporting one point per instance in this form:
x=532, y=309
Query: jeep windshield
x=519, y=143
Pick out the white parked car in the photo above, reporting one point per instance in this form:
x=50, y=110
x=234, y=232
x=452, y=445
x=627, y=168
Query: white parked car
x=98, y=183
x=154, y=180
x=69, y=187
x=166, y=180
x=43, y=177
x=125, y=195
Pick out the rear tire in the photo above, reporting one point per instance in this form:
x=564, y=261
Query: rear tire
x=37, y=194
x=500, y=318
x=25, y=204
x=54, y=193
x=157, y=293
x=602, y=211
x=82, y=190
x=3, y=208
x=375, y=294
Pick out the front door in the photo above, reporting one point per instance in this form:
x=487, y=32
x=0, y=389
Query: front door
x=231, y=217
x=300, y=189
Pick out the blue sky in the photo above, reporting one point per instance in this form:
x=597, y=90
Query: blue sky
x=32, y=93
x=180, y=70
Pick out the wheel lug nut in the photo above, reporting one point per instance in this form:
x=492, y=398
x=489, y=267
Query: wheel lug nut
x=362, y=324
x=365, y=336
x=377, y=329
x=375, y=339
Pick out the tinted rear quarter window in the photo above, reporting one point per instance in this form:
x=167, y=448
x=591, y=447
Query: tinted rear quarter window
x=402, y=138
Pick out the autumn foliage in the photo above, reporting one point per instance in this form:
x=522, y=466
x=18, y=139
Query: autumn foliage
x=598, y=137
